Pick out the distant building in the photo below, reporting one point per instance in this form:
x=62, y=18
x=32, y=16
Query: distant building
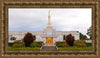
x=49, y=35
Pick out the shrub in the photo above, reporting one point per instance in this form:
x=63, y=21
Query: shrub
x=62, y=44
x=28, y=39
x=33, y=45
x=15, y=45
x=59, y=45
x=39, y=45
x=17, y=41
x=65, y=45
x=10, y=44
x=36, y=44
x=39, y=42
x=22, y=44
x=13, y=38
x=80, y=43
x=88, y=44
x=70, y=40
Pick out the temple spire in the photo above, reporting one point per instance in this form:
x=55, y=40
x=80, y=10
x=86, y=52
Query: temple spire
x=49, y=28
x=49, y=23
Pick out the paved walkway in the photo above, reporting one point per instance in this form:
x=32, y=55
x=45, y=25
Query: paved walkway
x=48, y=48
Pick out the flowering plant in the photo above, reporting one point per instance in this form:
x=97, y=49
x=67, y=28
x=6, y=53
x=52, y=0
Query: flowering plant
x=42, y=43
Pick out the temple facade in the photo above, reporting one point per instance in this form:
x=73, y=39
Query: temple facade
x=49, y=35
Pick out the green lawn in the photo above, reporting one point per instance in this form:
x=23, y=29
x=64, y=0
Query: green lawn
x=75, y=48
x=24, y=48
x=59, y=48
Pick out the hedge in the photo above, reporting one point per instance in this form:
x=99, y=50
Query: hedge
x=62, y=44
x=88, y=44
x=10, y=44
x=36, y=44
x=18, y=45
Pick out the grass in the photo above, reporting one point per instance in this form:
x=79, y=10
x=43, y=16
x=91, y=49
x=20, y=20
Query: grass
x=89, y=47
x=24, y=48
x=75, y=48
x=59, y=48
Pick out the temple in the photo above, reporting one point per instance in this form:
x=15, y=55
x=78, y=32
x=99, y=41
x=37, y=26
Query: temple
x=49, y=35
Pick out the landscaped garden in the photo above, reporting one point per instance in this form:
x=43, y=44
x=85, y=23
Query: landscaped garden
x=21, y=46
x=29, y=43
x=77, y=46
x=61, y=46
x=71, y=44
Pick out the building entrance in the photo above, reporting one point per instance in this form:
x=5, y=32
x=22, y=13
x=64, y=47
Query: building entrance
x=49, y=41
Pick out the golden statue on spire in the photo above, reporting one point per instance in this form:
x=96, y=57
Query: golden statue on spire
x=49, y=23
x=49, y=12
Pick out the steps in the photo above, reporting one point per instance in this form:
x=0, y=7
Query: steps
x=48, y=48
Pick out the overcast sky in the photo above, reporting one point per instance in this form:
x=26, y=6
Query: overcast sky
x=62, y=19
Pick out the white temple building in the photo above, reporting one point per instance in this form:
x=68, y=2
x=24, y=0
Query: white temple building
x=48, y=35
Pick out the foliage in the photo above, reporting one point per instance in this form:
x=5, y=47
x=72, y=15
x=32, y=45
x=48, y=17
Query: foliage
x=70, y=40
x=15, y=45
x=83, y=36
x=18, y=44
x=80, y=43
x=13, y=38
x=62, y=44
x=89, y=32
x=36, y=44
x=39, y=42
x=17, y=41
x=10, y=44
x=88, y=44
x=65, y=45
x=28, y=39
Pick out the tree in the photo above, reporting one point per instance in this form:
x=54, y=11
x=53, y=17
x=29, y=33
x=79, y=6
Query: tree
x=89, y=32
x=13, y=38
x=83, y=36
x=70, y=40
x=28, y=39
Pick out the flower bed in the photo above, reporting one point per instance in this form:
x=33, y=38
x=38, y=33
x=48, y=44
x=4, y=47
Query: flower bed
x=61, y=44
x=36, y=44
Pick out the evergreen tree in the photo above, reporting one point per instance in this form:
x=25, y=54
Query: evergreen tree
x=70, y=40
x=28, y=39
x=83, y=36
x=13, y=38
x=89, y=32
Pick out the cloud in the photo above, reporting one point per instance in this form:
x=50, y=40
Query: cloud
x=62, y=19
